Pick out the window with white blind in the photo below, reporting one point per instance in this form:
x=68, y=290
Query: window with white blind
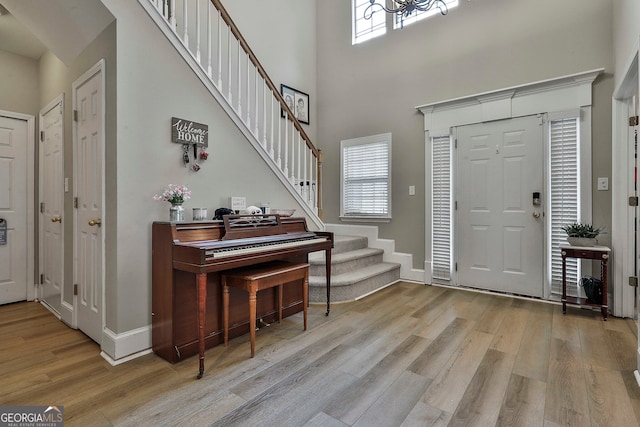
x=418, y=15
x=366, y=177
x=565, y=197
x=441, y=209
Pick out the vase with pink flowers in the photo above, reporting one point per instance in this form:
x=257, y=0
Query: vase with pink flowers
x=176, y=195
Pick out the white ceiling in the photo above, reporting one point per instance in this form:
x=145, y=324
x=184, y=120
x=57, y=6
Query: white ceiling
x=65, y=27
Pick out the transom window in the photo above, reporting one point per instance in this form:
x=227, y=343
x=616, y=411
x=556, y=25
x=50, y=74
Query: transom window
x=365, y=29
x=401, y=21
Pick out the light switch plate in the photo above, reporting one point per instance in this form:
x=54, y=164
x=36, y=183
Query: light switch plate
x=412, y=190
x=603, y=184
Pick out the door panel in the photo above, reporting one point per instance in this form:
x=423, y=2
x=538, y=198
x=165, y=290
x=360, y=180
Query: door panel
x=88, y=101
x=13, y=209
x=52, y=198
x=499, y=241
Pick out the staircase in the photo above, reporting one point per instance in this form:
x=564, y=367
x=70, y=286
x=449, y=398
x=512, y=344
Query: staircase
x=205, y=36
x=356, y=271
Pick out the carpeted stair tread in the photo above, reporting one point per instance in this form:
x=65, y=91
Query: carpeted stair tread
x=351, y=277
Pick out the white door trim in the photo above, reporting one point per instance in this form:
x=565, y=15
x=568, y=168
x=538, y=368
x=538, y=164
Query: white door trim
x=31, y=132
x=622, y=216
x=99, y=67
x=41, y=185
x=565, y=93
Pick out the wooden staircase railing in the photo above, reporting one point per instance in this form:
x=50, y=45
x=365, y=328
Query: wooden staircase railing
x=224, y=57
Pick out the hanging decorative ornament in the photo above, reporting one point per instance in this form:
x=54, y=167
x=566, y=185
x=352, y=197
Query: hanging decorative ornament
x=203, y=155
x=185, y=154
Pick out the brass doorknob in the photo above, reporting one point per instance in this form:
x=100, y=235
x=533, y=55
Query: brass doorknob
x=536, y=214
x=56, y=219
x=96, y=221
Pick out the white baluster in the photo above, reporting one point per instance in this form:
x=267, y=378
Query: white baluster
x=256, y=111
x=279, y=161
x=305, y=178
x=316, y=194
x=165, y=10
x=239, y=79
x=286, y=145
x=198, y=31
x=264, y=114
x=185, y=37
x=273, y=115
x=172, y=19
x=219, y=51
x=230, y=97
x=209, y=70
x=248, y=80
x=299, y=176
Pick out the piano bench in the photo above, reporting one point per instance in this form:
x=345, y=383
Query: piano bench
x=256, y=278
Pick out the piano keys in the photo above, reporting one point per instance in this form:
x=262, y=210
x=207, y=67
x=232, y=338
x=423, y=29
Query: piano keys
x=187, y=260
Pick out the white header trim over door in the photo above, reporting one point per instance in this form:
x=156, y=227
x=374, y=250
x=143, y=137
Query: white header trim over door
x=563, y=93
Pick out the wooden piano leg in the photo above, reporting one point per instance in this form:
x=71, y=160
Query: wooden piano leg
x=225, y=310
x=201, y=290
x=252, y=319
x=328, y=274
x=305, y=296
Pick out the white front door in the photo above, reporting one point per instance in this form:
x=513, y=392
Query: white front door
x=88, y=101
x=14, y=143
x=52, y=218
x=500, y=231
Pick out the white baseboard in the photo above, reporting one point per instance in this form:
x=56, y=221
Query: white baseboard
x=119, y=348
x=407, y=272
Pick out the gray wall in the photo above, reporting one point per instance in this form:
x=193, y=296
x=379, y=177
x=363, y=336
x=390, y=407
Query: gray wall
x=480, y=46
x=19, y=87
x=626, y=34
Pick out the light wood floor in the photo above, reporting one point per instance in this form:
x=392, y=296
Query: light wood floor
x=410, y=355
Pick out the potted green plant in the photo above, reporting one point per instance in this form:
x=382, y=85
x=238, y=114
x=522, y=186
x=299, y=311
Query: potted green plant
x=579, y=234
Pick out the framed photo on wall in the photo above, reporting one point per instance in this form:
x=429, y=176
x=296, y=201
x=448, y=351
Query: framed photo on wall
x=298, y=103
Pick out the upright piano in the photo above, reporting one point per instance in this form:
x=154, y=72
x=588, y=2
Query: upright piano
x=187, y=258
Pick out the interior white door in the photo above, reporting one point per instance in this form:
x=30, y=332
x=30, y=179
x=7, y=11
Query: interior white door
x=500, y=230
x=88, y=248
x=13, y=209
x=52, y=218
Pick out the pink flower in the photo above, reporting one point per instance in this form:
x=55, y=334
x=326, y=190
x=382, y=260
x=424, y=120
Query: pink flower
x=174, y=194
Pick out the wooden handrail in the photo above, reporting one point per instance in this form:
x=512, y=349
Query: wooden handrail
x=234, y=30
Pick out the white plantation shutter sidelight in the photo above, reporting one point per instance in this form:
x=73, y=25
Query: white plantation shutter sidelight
x=441, y=251
x=564, y=170
x=366, y=177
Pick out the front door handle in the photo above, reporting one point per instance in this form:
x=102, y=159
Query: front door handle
x=536, y=214
x=56, y=219
x=93, y=222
